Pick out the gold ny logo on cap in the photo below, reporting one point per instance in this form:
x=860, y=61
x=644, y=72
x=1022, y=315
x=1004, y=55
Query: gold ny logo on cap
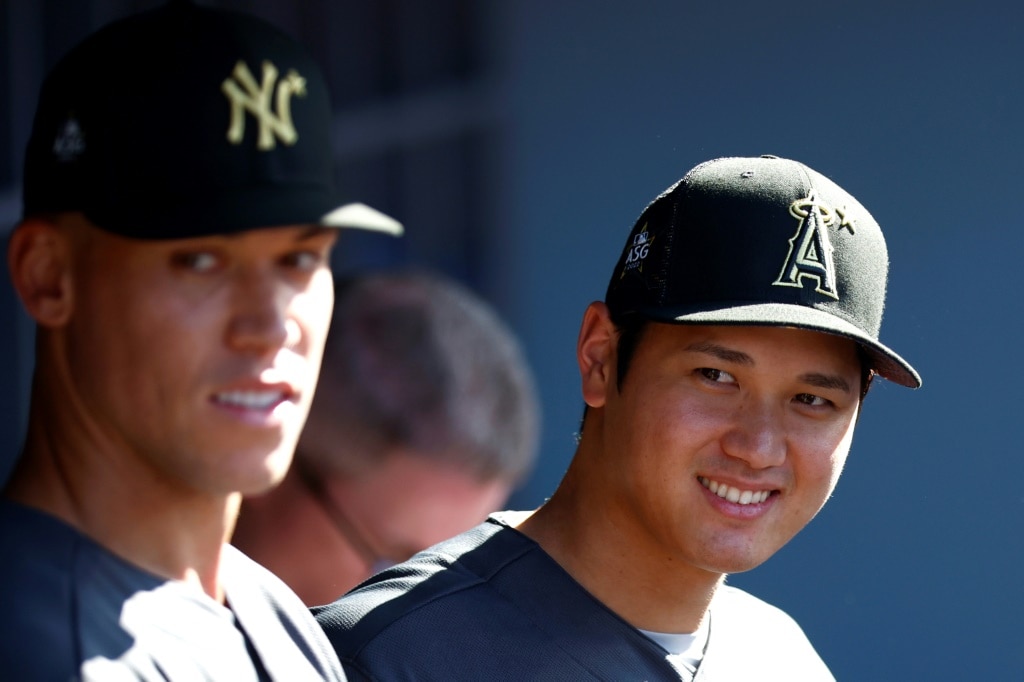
x=810, y=251
x=245, y=95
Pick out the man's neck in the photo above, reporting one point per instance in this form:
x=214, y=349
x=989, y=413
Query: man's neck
x=648, y=590
x=154, y=527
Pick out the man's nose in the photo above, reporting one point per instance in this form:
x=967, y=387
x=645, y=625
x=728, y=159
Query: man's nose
x=757, y=435
x=260, y=322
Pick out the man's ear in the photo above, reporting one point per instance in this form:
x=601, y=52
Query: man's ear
x=595, y=353
x=38, y=257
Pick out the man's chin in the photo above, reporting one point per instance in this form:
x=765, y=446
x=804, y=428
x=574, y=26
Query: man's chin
x=740, y=562
x=268, y=474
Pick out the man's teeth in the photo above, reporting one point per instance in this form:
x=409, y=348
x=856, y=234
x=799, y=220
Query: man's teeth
x=735, y=495
x=252, y=400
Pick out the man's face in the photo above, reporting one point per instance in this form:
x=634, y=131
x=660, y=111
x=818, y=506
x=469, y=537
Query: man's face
x=409, y=502
x=198, y=358
x=723, y=442
x=358, y=525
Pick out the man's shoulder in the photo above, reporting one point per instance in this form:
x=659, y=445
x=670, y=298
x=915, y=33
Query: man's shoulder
x=270, y=613
x=741, y=622
x=730, y=601
x=489, y=604
x=447, y=569
x=34, y=643
x=34, y=532
x=74, y=609
x=53, y=578
x=42, y=556
x=434, y=603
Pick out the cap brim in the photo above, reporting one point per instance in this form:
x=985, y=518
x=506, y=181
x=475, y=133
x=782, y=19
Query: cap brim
x=228, y=212
x=363, y=217
x=885, y=362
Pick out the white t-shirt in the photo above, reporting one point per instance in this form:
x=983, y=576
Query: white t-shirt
x=685, y=651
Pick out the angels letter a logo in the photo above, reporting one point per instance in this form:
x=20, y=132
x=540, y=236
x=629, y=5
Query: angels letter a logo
x=245, y=94
x=810, y=251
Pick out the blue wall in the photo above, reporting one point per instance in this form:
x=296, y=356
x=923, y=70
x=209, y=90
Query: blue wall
x=910, y=572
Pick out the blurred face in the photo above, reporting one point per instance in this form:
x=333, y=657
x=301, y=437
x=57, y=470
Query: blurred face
x=323, y=534
x=199, y=357
x=410, y=502
x=723, y=442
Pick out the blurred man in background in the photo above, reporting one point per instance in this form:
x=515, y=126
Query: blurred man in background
x=174, y=254
x=425, y=418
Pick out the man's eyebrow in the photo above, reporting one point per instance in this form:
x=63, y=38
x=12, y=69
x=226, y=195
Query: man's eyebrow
x=310, y=232
x=816, y=379
x=721, y=352
x=827, y=381
x=314, y=231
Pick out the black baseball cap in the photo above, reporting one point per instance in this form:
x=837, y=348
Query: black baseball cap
x=760, y=241
x=185, y=121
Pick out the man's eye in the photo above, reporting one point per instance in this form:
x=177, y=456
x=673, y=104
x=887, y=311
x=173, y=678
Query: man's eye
x=198, y=261
x=716, y=375
x=307, y=261
x=812, y=400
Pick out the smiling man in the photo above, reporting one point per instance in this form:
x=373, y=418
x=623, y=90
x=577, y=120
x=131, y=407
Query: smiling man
x=174, y=255
x=723, y=376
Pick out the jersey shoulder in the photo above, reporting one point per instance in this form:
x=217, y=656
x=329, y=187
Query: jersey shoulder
x=751, y=638
x=489, y=604
x=42, y=571
x=271, y=614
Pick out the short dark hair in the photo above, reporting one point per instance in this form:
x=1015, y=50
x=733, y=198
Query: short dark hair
x=630, y=329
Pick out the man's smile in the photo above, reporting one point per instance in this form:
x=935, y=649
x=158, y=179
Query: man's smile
x=734, y=495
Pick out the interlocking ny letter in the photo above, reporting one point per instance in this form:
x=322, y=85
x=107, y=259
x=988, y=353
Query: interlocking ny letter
x=245, y=95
